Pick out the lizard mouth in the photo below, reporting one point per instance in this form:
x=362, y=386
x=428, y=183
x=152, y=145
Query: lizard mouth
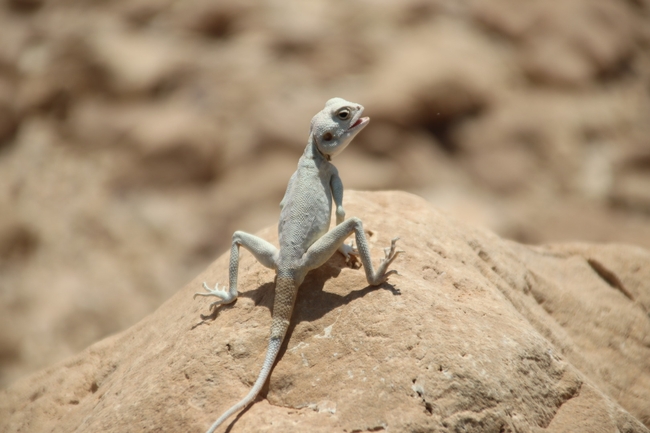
x=359, y=121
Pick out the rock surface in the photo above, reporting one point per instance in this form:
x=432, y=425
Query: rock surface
x=137, y=135
x=487, y=335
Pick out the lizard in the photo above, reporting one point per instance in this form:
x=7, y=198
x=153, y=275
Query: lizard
x=305, y=240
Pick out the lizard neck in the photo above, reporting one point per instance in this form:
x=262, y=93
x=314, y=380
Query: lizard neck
x=312, y=152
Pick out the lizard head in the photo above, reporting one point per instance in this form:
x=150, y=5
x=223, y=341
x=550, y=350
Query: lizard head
x=336, y=125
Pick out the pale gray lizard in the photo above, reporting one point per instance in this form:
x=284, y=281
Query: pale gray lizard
x=305, y=242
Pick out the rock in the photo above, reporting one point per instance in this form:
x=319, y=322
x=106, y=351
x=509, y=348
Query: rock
x=136, y=62
x=437, y=75
x=168, y=144
x=566, y=45
x=487, y=335
x=9, y=118
x=163, y=126
x=213, y=20
x=631, y=188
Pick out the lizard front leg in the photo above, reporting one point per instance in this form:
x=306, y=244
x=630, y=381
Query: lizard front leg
x=321, y=250
x=337, y=194
x=349, y=252
x=264, y=252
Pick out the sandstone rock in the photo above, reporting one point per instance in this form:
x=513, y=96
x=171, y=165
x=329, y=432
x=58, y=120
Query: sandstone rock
x=136, y=62
x=213, y=20
x=487, y=335
x=437, y=75
x=632, y=191
x=567, y=45
x=136, y=136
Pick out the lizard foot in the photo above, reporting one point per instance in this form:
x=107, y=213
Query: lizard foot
x=348, y=250
x=351, y=255
x=390, y=254
x=225, y=296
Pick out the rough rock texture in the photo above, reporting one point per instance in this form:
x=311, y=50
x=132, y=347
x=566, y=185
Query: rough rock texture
x=137, y=135
x=487, y=335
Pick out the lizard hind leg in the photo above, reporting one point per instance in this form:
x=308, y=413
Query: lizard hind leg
x=321, y=250
x=264, y=252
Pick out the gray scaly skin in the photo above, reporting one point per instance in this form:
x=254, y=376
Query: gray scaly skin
x=305, y=242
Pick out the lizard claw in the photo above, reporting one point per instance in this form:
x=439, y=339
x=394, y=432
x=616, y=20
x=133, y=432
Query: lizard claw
x=354, y=251
x=351, y=255
x=348, y=250
x=389, y=273
x=225, y=296
x=391, y=254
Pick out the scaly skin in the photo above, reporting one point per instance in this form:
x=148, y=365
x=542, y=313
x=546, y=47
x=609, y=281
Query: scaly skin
x=305, y=242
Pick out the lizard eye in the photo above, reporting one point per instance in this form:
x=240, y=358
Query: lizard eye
x=327, y=136
x=343, y=114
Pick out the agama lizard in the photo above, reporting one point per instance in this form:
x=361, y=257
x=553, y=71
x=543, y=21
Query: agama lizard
x=305, y=242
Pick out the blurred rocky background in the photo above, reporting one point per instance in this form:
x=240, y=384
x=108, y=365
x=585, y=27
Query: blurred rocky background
x=137, y=135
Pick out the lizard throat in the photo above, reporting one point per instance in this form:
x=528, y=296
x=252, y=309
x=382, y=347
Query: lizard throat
x=326, y=157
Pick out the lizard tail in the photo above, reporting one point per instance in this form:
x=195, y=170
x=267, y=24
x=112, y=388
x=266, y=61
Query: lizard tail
x=271, y=354
x=285, y=296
